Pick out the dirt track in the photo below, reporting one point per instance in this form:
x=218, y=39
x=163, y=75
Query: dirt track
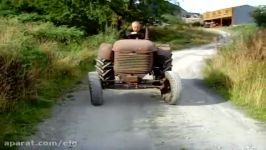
x=139, y=120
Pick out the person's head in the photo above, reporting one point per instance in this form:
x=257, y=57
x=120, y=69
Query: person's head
x=136, y=26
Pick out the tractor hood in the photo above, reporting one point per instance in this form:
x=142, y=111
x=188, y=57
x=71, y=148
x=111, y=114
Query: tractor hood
x=134, y=46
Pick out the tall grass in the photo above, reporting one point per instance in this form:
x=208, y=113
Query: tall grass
x=238, y=71
x=39, y=62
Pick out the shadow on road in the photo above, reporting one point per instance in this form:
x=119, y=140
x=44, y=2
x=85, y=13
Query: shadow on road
x=141, y=97
x=196, y=93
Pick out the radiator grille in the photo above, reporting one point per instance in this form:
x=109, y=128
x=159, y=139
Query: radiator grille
x=135, y=63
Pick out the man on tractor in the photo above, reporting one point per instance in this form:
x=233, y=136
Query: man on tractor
x=163, y=53
x=125, y=63
x=137, y=32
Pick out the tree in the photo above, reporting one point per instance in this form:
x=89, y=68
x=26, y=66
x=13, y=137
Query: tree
x=260, y=16
x=141, y=10
x=92, y=15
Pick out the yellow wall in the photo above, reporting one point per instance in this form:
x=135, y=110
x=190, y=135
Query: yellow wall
x=222, y=13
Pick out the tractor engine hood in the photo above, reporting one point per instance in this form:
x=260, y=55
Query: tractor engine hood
x=134, y=46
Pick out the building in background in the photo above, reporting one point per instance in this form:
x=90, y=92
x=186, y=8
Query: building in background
x=229, y=16
x=190, y=17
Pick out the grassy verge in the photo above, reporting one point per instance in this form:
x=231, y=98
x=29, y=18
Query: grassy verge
x=39, y=62
x=238, y=71
x=180, y=36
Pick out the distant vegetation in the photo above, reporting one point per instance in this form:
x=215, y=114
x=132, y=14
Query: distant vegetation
x=92, y=16
x=260, y=16
x=238, y=71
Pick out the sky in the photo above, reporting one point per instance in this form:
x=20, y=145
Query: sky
x=201, y=6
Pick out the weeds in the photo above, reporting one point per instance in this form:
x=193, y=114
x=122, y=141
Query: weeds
x=47, y=31
x=38, y=63
x=243, y=64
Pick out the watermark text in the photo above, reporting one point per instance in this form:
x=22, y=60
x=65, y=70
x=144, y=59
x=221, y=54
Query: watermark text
x=61, y=143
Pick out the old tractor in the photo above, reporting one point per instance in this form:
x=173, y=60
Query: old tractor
x=126, y=64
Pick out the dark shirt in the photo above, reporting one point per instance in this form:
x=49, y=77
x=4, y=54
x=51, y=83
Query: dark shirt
x=135, y=35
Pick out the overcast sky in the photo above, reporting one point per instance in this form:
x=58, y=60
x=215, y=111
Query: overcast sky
x=201, y=6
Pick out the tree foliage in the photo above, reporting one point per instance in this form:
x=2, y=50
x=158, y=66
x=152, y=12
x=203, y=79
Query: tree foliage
x=91, y=15
x=260, y=16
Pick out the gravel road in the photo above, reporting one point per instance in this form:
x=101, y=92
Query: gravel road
x=139, y=120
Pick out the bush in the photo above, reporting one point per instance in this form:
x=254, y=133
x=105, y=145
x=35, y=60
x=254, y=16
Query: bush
x=64, y=34
x=171, y=19
x=31, y=53
x=7, y=13
x=196, y=24
x=16, y=81
x=92, y=16
x=36, y=67
x=32, y=17
x=260, y=16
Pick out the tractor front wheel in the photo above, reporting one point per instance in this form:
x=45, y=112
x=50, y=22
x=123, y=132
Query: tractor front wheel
x=172, y=88
x=95, y=86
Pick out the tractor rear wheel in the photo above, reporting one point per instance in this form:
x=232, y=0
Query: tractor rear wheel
x=167, y=61
x=163, y=60
x=105, y=70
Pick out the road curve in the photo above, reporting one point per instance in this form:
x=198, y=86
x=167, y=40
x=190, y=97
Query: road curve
x=139, y=120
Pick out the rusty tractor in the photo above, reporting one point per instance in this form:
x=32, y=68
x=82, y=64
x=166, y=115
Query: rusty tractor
x=126, y=64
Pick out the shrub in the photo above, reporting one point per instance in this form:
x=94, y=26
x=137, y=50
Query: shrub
x=16, y=79
x=171, y=19
x=7, y=13
x=92, y=16
x=31, y=17
x=260, y=16
x=36, y=67
x=33, y=54
x=196, y=24
x=64, y=34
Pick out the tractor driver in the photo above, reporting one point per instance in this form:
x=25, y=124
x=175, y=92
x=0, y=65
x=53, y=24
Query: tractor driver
x=136, y=32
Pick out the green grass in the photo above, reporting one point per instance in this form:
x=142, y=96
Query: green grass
x=238, y=29
x=238, y=71
x=180, y=36
x=17, y=125
x=244, y=30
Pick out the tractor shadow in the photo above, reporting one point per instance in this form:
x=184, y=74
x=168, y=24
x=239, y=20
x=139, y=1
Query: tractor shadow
x=138, y=97
x=195, y=92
